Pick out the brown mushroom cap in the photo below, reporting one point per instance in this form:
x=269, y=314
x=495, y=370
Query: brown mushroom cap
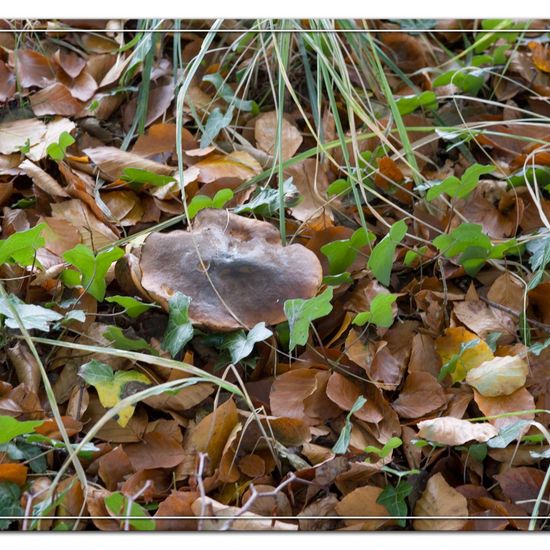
x=246, y=265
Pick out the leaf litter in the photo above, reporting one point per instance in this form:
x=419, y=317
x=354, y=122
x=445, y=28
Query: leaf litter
x=221, y=306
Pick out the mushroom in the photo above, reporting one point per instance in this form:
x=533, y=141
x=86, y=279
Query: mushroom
x=234, y=269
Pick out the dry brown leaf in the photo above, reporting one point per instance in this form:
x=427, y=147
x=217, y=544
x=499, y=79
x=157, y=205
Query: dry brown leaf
x=42, y=179
x=93, y=233
x=523, y=484
x=344, y=392
x=362, y=502
x=447, y=430
x=7, y=83
x=265, y=133
x=33, y=69
x=177, y=504
x=238, y=164
x=218, y=510
x=289, y=392
x=113, y=467
x=484, y=320
x=311, y=181
x=156, y=450
x=212, y=432
x=55, y=100
x=422, y=394
x=440, y=499
x=520, y=400
x=25, y=365
x=54, y=129
x=111, y=162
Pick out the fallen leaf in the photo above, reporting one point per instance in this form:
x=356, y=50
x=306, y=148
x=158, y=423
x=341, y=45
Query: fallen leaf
x=239, y=164
x=55, y=100
x=440, y=499
x=14, y=473
x=422, y=394
x=524, y=484
x=211, y=434
x=520, y=400
x=112, y=162
x=265, y=133
x=447, y=430
x=448, y=345
x=17, y=134
x=42, y=179
x=156, y=450
x=499, y=376
x=362, y=502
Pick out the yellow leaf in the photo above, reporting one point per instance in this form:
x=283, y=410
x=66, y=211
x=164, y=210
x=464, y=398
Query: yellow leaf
x=449, y=345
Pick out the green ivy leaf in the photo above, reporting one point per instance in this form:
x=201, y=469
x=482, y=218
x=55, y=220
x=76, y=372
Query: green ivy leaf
x=301, y=313
x=10, y=503
x=240, y=344
x=118, y=505
x=180, y=329
x=380, y=314
x=133, y=308
x=381, y=258
x=265, y=202
x=393, y=499
x=341, y=254
x=93, y=269
x=460, y=188
x=226, y=92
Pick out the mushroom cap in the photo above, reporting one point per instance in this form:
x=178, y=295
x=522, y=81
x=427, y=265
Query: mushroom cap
x=234, y=269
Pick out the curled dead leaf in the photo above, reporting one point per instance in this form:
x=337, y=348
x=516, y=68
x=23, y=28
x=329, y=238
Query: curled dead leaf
x=447, y=430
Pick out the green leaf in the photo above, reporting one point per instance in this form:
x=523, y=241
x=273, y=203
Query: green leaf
x=389, y=446
x=227, y=93
x=32, y=317
x=409, y=104
x=381, y=258
x=337, y=280
x=121, y=341
x=539, y=249
x=112, y=387
x=120, y=506
x=413, y=255
x=133, y=308
x=301, y=313
x=93, y=269
x=56, y=151
x=240, y=344
x=180, y=329
x=380, y=314
x=21, y=247
x=216, y=122
x=10, y=505
x=144, y=177
x=200, y=202
x=338, y=187
x=341, y=446
x=11, y=428
x=341, y=254
x=393, y=499
x=460, y=188
x=539, y=347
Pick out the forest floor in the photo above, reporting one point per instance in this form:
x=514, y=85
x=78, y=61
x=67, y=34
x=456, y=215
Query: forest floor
x=274, y=275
